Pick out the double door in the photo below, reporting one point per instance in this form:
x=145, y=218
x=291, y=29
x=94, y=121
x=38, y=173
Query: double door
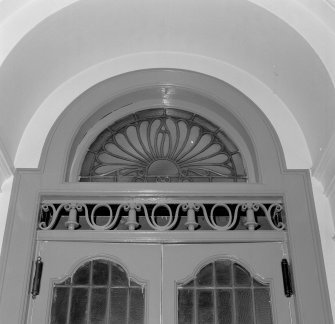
x=135, y=283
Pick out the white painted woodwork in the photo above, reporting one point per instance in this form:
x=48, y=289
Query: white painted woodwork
x=261, y=144
x=161, y=266
x=290, y=81
x=262, y=260
x=163, y=237
x=142, y=262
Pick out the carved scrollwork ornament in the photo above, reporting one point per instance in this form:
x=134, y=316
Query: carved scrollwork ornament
x=191, y=208
x=159, y=216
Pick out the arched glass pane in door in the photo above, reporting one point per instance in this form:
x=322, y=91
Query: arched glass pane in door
x=100, y=291
x=224, y=292
x=163, y=145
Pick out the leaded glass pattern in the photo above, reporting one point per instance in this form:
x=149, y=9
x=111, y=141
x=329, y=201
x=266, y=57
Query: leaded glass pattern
x=224, y=292
x=163, y=145
x=99, y=292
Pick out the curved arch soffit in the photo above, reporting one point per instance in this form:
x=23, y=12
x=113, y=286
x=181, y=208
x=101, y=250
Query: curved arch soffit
x=29, y=16
x=35, y=135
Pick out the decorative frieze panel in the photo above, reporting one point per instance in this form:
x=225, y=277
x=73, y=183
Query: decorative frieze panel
x=142, y=215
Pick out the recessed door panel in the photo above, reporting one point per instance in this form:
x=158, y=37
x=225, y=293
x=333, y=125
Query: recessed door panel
x=224, y=283
x=85, y=282
x=98, y=283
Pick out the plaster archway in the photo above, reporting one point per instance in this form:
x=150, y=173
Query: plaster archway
x=67, y=43
x=29, y=15
x=292, y=139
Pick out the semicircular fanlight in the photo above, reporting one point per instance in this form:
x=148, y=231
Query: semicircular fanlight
x=163, y=145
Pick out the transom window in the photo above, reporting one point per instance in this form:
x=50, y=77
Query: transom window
x=163, y=145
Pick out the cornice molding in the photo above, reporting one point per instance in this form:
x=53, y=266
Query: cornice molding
x=324, y=170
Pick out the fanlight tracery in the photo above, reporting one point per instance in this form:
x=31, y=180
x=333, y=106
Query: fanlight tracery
x=163, y=145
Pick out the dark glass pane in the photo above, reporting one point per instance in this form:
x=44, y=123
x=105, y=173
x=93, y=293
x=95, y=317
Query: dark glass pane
x=82, y=275
x=185, y=306
x=136, y=306
x=119, y=276
x=98, y=306
x=100, y=272
x=225, y=310
x=223, y=273
x=118, y=305
x=244, y=307
x=205, y=305
x=242, y=276
x=205, y=276
x=263, y=306
x=60, y=301
x=79, y=307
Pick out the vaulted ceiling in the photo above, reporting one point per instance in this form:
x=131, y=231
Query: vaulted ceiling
x=286, y=48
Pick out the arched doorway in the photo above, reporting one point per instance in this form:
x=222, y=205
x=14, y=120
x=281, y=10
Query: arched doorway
x=252, y=214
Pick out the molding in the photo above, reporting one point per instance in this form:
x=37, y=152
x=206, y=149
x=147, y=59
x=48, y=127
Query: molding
x=318, y=250
x=7, y=237
x=258, y=93
x=230, y=124
x=324, y=170
x=162, y=237
x=6, y=166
